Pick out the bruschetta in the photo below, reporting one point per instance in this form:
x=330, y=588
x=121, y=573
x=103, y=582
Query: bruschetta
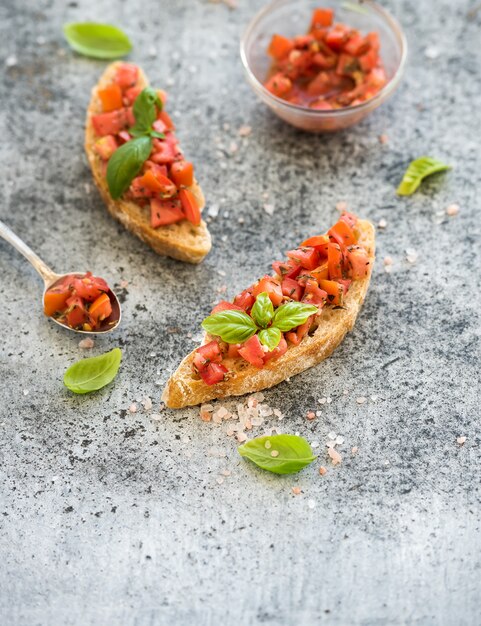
x=285, y=322
x=139, y=168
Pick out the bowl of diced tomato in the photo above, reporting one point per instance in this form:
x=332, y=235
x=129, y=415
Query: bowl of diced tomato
x=323, y=67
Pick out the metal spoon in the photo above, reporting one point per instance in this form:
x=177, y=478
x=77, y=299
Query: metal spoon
x=50, y=278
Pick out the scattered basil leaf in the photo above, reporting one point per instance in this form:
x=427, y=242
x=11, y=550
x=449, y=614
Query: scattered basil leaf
x=100, y=41
x=263, y=310
x=292, y=314
x=154, y=133
x=270, y=337
x=231, y=326
x=93, y=373
x=145, y=111
x=351, y=6
x=417, y=172
x=293, y=453
x=125, y=163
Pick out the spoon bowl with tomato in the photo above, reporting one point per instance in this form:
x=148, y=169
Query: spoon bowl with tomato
x=77, y=301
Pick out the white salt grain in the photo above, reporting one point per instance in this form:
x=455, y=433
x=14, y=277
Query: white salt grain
x=332, y=435
x=244, y=131
x=461, y=440
x=86, y=344
x=382, y=223
x=269, y=209
x=311, y=504
x=339, y=440
x=147, y=404
x=452, y=210
x=156, y=417
x=361, y=400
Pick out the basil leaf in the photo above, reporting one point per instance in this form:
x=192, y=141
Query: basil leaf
x=270, y=337
x=417, y=171
x=293, y=453
x=154, y=133
x=100, y=41
x=93, y=373
x=292, y=314
x=263, y=311
x=125, y=163
x=145, y=111
x=231, y=326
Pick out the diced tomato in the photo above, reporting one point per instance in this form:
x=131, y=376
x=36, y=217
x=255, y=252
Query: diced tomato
x=252, y=352
x=346, y=65
x=76, y=315
x=373, y=41
x=346, y=283
x=308, y=257
x=105, y=147
x=357, y=262
x=334, y=290
x=214, y=373
x=321, y=105
x=321, y=272
x=376, y=78
x=163, y=152
x=157, y=183
x=279, y=85
x=295, y=336
x=162, y=97
x=278, y=351
x=335, y=260
x=165, y=117
x=291, y=288
x=129, y=112
x=319, y=242
x=349, y=218
x=159, y=126
x=182, y=173
x=287, y=269
x=124, y=136
x=245, y=299
x=89, y=287
x=138, y=189
x=155, y=167
x=55, y=298
x=303, y=42
x=208, y=353
x=342, y=234
x=323, y=61
x=279, y=47
x=368, y=61
x=131, y=94
x=313, y=294
x=337, y=37
x=126, y=75
x=110, y=97
x=225, y=306
x=321, y=17
x=164, y=212
x=100, y=309
x=272, y=287
x=233, y=350
x=110, y=123
x=356, y=44
x=190, y=206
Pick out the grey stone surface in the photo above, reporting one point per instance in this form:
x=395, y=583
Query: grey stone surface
x=111, y=518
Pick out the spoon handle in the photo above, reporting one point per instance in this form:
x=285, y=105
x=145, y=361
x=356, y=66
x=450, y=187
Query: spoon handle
x=45, y=272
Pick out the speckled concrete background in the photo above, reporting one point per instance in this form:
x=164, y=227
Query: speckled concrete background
x=113, y=518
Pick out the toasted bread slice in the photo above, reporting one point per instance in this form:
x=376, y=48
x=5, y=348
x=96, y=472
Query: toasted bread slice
x=182, y=240
x=186, y=388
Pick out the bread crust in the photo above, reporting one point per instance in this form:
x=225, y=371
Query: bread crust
x=182, y=241
x=185, y=388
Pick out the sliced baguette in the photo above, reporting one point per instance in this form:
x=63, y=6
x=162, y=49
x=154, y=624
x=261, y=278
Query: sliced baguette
x=183, y=240
x=186, y=388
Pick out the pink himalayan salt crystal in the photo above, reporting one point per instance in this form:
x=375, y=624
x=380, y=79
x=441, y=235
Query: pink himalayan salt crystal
x=336, y=458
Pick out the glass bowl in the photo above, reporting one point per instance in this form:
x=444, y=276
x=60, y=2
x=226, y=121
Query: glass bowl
x=292, y=17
